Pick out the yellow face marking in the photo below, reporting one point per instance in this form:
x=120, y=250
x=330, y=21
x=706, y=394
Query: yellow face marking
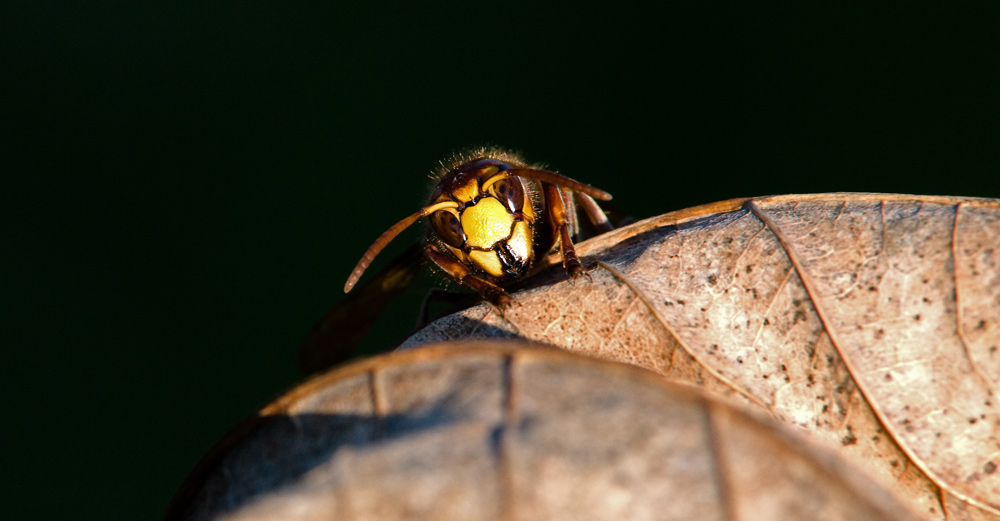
x=526, y=209
x=489, y=182
x=486, y=223
x=443, y=205
x=470, y=190
x=520, y=240
x=459, y=254
x=488, y=261
x=467, y=192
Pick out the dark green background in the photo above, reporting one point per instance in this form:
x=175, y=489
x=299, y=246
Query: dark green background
x=189, y=186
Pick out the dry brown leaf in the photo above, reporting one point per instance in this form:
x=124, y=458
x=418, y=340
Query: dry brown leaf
x=503, y=431
x=870, y=320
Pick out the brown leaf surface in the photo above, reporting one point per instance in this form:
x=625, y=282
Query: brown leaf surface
x=502, y=431
x=870, y=320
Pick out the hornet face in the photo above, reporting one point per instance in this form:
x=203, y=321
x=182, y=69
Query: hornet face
x=487, y=219
x=490, y=216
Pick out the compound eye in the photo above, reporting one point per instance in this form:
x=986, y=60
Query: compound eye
x=510, y=191
x=449, y=228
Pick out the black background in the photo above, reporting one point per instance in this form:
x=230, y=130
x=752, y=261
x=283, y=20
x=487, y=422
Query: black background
x=187, y=187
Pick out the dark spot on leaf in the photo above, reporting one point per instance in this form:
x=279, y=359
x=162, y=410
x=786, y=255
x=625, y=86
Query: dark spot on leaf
x=888, y=377
x=973, y=420
x=871, y=288
x=783, y=368
x=767, y=322
x=712, y=280
x=916, y=317
x=850, y=439
x=799, y=315
x=989, y=467
x=981, y=324
x=749, y=268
